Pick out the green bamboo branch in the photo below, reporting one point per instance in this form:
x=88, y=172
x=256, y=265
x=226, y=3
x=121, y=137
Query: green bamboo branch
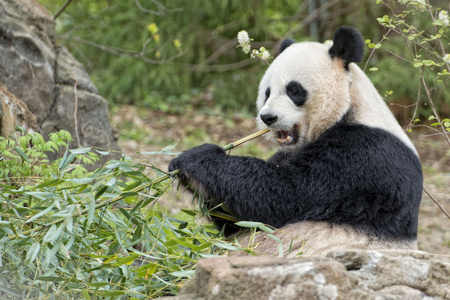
x=135, y=190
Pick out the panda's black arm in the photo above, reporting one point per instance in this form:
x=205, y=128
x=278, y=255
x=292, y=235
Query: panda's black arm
x=252, y=188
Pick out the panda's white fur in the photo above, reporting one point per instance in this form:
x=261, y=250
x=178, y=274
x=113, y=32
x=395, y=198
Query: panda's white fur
x=332, y=91
x=315, y=239
x=346, y=177
x=369, y=107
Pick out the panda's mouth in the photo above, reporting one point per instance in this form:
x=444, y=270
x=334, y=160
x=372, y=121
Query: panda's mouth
x=287, y=138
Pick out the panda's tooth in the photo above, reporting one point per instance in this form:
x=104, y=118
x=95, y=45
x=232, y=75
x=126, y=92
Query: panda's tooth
x=288, y=139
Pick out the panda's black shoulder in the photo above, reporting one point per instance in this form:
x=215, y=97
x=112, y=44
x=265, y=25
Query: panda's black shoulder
x=353, y=146
x=352, y=137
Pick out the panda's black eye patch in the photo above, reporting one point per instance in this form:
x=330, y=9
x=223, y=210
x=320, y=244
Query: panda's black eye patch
x=267, y=93
x=296, y=92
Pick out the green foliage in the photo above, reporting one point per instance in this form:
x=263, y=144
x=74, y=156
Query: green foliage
x=181, y=55
x=175, y=56
x=69, y=233
x=414, y=56
x=167, y=61
x=23, y=159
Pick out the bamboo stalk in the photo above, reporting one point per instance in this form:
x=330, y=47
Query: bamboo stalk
x=137, y=189
x=246, y=139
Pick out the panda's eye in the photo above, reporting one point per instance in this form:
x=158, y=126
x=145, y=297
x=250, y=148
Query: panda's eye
x=296, y=92
x=267, y=93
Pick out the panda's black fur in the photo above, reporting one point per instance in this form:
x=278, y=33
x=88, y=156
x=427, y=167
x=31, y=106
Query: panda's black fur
x=351, y=174
x=348, y=45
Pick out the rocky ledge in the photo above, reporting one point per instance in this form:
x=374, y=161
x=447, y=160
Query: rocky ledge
x=393, y=275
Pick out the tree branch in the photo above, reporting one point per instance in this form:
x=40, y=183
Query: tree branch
x=62, y=9
x=437, y=203
x=122, y=52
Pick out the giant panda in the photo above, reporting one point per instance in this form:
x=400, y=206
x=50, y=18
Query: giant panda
x=346, y=175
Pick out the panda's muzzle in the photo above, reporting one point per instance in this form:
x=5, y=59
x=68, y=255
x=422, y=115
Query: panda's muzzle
x=284, y=137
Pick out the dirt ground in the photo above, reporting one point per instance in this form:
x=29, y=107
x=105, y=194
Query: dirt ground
x=144, y=130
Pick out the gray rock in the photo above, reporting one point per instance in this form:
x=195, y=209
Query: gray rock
x=403, y=271
x=376, y=275
x=91, y=112
x=70, y=71
x=27, y=56
x=47, y=77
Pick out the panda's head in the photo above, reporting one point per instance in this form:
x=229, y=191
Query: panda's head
x=307, y=88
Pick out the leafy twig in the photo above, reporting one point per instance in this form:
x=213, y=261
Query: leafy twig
x=101, y=204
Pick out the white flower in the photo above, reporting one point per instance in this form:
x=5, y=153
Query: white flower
x=244, y=41
x=446, y=58
x=328, y=43
x=443, y=16
x=243, y=37
x=264, y=53
x=254, y=54
x=246, y=48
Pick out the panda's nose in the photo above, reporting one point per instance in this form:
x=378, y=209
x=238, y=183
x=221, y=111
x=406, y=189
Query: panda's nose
x=268, y=119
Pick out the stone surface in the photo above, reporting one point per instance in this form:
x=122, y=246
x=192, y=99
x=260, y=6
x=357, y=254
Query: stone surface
x=91, y=112
x=52, y=83
x=402, y=271
x=27, y=57
x=377, y=275
x=69, y=71
x=14, y=112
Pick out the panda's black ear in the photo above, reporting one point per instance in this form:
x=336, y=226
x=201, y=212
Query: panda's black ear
x=286, y=43
x=348, y=45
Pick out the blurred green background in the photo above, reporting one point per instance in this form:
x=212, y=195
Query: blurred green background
x=177, y=56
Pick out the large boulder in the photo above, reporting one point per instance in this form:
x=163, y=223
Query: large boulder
x=54, y=85
x=373, y=275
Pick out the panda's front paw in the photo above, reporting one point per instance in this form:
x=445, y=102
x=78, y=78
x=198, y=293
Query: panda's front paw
x=174, y=164
x=191, y=160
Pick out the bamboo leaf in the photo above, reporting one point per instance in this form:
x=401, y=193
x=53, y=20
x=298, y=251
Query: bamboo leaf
x=132, y=185
x=91, y=211
x=147, y=270
x=86, y=295
x=112, y=294
x=111, y=182
x=48, y=236
x=80, y=150
x=126, y=260
x=188, y=273
x=66, y=160
x=51, y=182
x=137, y=233
x=49, y=256
x=33, y=252
x=45, y=211
x=63, y=250
x=102, y=152
x=248, y=224
x=81, y=180
x=100, y=192
x=22, y=154
x=98, y=284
